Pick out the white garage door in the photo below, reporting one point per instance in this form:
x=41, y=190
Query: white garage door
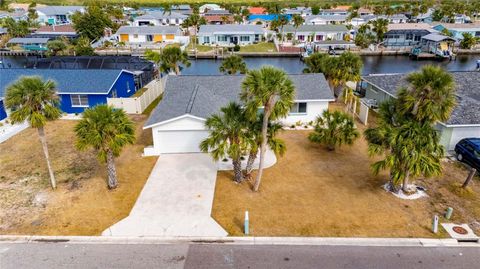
x=180, y=141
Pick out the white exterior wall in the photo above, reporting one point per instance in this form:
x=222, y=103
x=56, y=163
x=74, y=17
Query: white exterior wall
x=314, y=109
x=458, y=133
x=142, y=38
x=159, y=22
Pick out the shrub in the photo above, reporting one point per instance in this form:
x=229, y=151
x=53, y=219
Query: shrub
x=334, y=129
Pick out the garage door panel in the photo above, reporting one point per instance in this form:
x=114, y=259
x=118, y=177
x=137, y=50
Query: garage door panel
x=180, y=141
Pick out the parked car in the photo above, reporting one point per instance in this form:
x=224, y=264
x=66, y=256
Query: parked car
x=468, y=151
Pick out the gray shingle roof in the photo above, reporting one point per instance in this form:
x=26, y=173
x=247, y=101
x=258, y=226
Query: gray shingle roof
x=436, y=37
x=467, y=84
x=59, y=10
x=158, y=15
x=28, y=40
x=149, y=30
x=316, y=28
x=202, y=96
x=230, y=29
x=327, y=17
x=67, y=80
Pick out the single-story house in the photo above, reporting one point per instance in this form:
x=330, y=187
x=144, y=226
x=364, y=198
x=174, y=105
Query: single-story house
x=178, y=122
x=56, y=31
x=395, y=18
x=334, y=11
x=54, y=15
x=315, y=33
x=217, y=12
x=326, y=19
x=78, y=89
x=30, y=43
x=20, y=15
x=457, y=30
x=182, y=9
x=465, y=118
x=158, y=18
x=406, y=34
x=230, y=34
x=206, y=7
x=150, y=34
x=264, y=19
x=219, y=19
x=302, y=11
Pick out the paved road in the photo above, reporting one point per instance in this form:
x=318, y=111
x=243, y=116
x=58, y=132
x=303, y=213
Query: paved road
x=198, y=256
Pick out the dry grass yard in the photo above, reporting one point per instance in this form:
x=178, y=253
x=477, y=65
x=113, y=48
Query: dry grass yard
x=82, y=204
x=314, y=192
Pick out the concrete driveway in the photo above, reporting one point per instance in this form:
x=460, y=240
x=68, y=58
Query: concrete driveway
x=176, y=200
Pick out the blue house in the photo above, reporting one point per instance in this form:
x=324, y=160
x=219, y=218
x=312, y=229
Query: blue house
x=458, y=29
x=78, y=89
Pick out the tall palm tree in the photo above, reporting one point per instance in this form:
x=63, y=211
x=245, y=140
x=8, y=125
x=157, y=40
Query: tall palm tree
x=276, y=144
x=315, y=63
x=334, y=129
x=169, y=59
x=272, y=89
x=195, y=21
x=228, y=136
x=379, y=27
x=347, y=67
x=297, y=22
x=33, y=100
x=107, y=130
x=232, y=65
x=430, y=95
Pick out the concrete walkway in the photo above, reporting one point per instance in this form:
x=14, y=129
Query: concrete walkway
x=176, y=200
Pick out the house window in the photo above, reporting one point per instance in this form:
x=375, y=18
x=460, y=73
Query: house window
x=149, y=38
x=222, y=38
x=409, y=37
x=135, y=36
x=79, y=100
x=319, y=37
x=206, y=39
x=245, y=38
x=417, y=38
x=301, y=37
x=477, y=34
x=298, y=108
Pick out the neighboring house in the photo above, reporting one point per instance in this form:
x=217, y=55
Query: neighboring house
x=206, y=7
x=302, y=11
x=396, y=18
x=217, y=12
x=230, y=34
x=457, y=30
x=78, y=89
x=264, y=19
x=343, y=12
x=182, y=9
x=257, y=10
x=364, y=11
x=30, y=43
x=325, y=19
x=465, y=119
x=55, y=15
x=158, y=18
x=316, y=33
x=178, y=122
x=219, y=19
x=461, y=18
x=424, y=17
x=19, y=15
x=406, y=34
x=150, y=34
x=55, y=31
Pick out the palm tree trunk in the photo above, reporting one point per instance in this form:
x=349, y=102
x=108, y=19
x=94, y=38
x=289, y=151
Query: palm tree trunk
x=112, y=173
x=470, y=176
x=177, y=70
x=237, y=170
x=405, y=182
x=391, y=185
x=43, y=140
x=251, y=159
x=263, y=148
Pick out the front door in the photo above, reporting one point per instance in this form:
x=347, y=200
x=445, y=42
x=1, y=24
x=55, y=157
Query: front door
x=234, y=40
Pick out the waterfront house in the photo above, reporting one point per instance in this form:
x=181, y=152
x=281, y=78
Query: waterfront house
x=316, y=33
x=178, y=122
x=29, y=43
x=139, y=35
x=159, y=18
x=406, y=34
x=230, y=34
x=465, y=119
x=436, y=44
x=55, y=31
x=325, y=19
x=457, y=30
x=78, y=89
x=56, y=15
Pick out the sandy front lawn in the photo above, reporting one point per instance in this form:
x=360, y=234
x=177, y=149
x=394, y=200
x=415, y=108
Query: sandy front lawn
x=82, y=204
x=313, y=192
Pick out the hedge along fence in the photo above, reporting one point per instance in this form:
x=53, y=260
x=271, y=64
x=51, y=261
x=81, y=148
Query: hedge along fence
x=136, y=105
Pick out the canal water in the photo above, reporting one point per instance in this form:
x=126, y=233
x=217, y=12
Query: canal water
x=372, y=64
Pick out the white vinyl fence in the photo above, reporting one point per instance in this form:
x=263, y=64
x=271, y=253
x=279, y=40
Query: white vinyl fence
x=136, y=105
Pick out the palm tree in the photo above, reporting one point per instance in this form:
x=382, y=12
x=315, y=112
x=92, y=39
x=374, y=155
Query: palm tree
x=347, y=67
x=334, y=129
x=169, y=59
x=276, y=144
x=228, y=136
x=430, y=95
x=468, y=41
x=379, y=27
x=232, y=65
x=273, y=90
x=33, y=100
x=297, y=21
x=107, y=130
x=315, y=63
